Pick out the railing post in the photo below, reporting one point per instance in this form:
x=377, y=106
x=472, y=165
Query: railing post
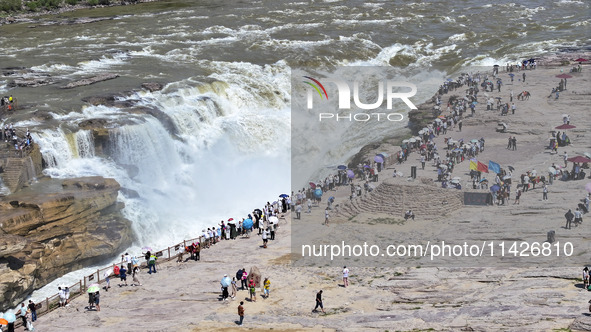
x=98, y=276
x=46, y=304
x=168, y=252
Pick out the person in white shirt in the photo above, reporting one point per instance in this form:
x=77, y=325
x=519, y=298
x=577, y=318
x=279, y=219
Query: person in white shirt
x=345, y=276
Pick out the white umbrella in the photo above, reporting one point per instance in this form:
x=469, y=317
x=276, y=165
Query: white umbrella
x=412, y=140
x=273, y=219
x=443, y=166
x=405, y=141
x=418, y=138
x=457, y=178
x=421, y=132
x=506, y=177
x=552, y=170
x=587, y=154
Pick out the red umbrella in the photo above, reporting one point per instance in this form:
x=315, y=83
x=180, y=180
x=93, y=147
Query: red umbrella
x=564, y=76
x=230, y=219
x=565, y=126
x=312, y=185
x=581, y=60
x=579, y=159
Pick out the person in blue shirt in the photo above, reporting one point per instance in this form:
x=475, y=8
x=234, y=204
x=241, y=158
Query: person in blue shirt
x=123, y=275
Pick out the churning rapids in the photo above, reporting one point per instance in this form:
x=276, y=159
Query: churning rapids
x=224, y=146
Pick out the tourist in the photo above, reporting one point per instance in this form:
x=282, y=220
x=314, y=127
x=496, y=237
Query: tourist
x=152, y=263
x=264, y=236
x=33, y=310
x=517, y=197
x=326, y=216
x=266, y=288
x=345, y=276
x=23, y=314
x=253, y=290
x=409, y=214
x=90, y=300
x=234, y=288
x=569, y=218
x=123, y=275
x=309, y=204
x=67, y=294
x=578, y=217
x=97, y=301
x=62, y=294
x=106, y=276
x=244, y=279
x=585, y=278
x=134, y=274
x=545, y=192
x=224, y=290
x=241, y=312
x=319, y=302
x=29, y=321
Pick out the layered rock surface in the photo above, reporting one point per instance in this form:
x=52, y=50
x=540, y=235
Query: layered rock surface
x=54, y=227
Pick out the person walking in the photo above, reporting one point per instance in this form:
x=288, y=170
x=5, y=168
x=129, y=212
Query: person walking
x=241, y=313
x=266, y=288
x=244, y=279
x=253, y=290
x=152, y=264
x=326, y=216
x=517, y=197
x=123, y=275
x=265, y=237
x=319, y=302
x=97, y=301
x=423, y=161
x=23, y=314
x=134, y=274
x=106, y=276
x=234, y=288
x=33, y=310
x=460, y=125
x=345, y=276
x=569, y=218
x=545, y=192
x=586, y=278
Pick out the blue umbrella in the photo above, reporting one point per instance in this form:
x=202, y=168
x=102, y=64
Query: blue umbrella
x=449, y=80
x=511, y=74
x=226, y=282
x=318, y=193
x=343, y=167
x=350, y=174
x=247, y=223
x=378, y=159
x=284, y=195
x=383, y=155
x=495, y=188
x=331, y=198
x=10, y=317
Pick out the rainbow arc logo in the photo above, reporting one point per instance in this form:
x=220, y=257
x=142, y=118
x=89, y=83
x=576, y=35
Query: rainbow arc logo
x=318, y=86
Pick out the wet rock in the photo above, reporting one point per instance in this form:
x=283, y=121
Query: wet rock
x=32, y=82
x=91, y=80
x=152, y=86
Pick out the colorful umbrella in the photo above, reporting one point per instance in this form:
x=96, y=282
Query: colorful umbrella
x=383, y=154
x=318, y=193
x=342, y=167
x=226, y=281
x=231, y=219
x=511, y=74
x=273, y=219
x=552, y=170
x=564, y=76
x=511, y=168
x=3, y=321
x=565, y=126
x=495, y=188
x=10, y=317
x=312, y=185
x=247, y=224
x=284, y=195
x=93, y=289
x=581, y=60
x=378, y=159
x=94, y=285
x=350, y=174
x=147, y=249
x=579, y=159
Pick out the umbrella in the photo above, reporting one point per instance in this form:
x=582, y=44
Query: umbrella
x=342, y=167
x=495, y=188
x=366, y=166
x=511, y=74
x=226, y=281
x=565, y=126
x=273, y=219
x=441, y=117
x=579, y=159
x=284, y=195
x=474, y=141
x=443, y=166
x=449, y=80
x=247, y=223
x=146, y=248
x=312, y=185
x=483, y=180
x=405, y=141
x=587, y=186
x=581, y=60
x=412, y=140
x=506, y=177
x=93, y=285
x=498, y=98
x=318, y=193
x=93, y=289
x=378, y=159
x=552, y=170
x=564, y=76
x=421, y=132
x=3, y=321
x=511, y=168
x=587, y=154
x=258, y=210
x=331, y=198
x=383, y=154
x=231, y=219
x=495, y=65
x=350, y=174
x=457, y=178
x=474, y=103
x=10, y=317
